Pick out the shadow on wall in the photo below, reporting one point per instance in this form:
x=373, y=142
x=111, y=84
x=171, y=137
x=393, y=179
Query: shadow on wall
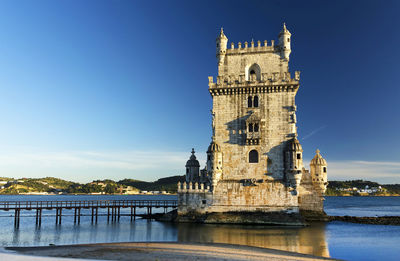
x=274, y=157
x=237, y=130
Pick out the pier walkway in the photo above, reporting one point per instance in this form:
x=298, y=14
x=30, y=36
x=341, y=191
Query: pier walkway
x=113, y=208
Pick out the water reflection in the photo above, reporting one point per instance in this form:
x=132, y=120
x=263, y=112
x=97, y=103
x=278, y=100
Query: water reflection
x=306, y=240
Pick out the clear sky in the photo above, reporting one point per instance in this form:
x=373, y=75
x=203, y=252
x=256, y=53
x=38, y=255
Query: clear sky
x=118, y=89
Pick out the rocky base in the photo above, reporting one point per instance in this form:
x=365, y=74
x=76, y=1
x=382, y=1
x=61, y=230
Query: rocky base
x=312, y=216
x=386, y=220
x=272, y=218
x=264, y=218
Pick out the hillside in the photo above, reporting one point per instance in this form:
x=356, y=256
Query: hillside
x=107, y=186
x=163, y=184
x=361, y=188
x=168, y=184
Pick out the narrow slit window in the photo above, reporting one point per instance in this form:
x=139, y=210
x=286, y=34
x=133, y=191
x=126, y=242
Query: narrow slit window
x=251, y=127
x=249, y=102
x=256, y=127
x=255, y=103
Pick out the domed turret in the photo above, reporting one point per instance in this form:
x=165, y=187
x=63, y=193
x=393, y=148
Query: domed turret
x=294, y=155
x=222, y=42
x=318, y=167
x=192, y=169
x=294, y=162
x=214, y=163
x=284, y=42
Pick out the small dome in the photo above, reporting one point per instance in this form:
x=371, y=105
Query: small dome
x=318, y=159
x=284, y=30
x=192, y=162
x=294, y=145
x=214, y=147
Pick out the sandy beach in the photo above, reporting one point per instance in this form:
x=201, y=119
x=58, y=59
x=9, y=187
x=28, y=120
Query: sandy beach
x=158, y=251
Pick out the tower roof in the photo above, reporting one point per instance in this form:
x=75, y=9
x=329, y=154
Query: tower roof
x=192, y=162
x=284, y=30
x=318, y=159
x=221, y=34
x=214, y=147
x=294, y=145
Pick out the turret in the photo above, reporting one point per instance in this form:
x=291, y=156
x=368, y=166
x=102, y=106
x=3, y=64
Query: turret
x=284, y=42
x=319, y=172
x=192, y=169
x=214, y=163
x=294, y=162
x=222, y=42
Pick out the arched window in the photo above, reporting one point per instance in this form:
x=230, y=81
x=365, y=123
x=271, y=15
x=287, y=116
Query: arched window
x=324, y=169
x=250, y=127
x=253, y=71
x=250, y=102
x=253, y=156
x=255, y=102
x=256, y=127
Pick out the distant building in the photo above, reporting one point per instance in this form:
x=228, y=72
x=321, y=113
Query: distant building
x=255, y=161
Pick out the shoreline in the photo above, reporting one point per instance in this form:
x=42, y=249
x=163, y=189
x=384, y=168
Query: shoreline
x=159, y=251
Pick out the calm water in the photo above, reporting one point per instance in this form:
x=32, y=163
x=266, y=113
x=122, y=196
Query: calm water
x=335, y=239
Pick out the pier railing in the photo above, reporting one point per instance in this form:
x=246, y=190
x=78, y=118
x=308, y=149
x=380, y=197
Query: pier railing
x=7, y=205
x=113, y=208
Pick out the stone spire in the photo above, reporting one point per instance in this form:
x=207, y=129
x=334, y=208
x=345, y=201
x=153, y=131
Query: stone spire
x=221, y=34
x=284, y=30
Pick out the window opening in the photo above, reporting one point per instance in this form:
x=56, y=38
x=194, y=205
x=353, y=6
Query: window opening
x=250, y=127
x=249, y=102
x=255, y=103
x=256, y=127
x=253, y=156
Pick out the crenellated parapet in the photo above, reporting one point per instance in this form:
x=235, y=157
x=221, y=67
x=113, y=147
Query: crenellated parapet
x=196, y=187
x=252, y=48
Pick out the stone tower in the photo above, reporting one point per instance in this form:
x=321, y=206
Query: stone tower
x=255, y=161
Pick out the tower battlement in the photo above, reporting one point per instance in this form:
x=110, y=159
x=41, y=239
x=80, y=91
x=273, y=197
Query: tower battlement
x=253, y=48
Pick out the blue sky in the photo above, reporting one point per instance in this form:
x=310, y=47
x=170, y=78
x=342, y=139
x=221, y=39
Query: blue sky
x=118, y=89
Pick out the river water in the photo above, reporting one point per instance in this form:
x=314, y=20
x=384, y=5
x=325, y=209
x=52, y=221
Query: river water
x=334, y=239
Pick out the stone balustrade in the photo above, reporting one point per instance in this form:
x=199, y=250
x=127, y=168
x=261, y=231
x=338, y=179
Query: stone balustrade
x=266, y=79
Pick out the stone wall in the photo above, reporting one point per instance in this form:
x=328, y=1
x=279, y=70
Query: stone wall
x=276, y=126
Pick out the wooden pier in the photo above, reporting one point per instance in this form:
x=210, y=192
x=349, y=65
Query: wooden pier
x=113, y=208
